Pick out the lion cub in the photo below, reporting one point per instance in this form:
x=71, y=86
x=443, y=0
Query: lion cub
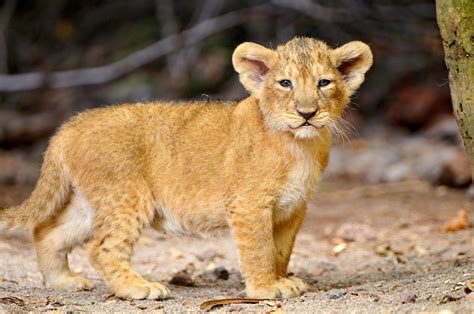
x=195, y=168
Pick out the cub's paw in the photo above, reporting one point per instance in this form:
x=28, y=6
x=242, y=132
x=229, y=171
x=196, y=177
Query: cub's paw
x=142, y=290
x=302, y=286
x=282, y=288
x=70, y=283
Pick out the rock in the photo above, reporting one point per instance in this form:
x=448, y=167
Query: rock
x=321, y=268
x=217, y=273
x=327, y=266
x=470, y=192
x=469, y=288
x=409, y=298
x=182, y=279
x=221, y=273
x=394, y=158
x=456, y=171
x=356, y=232
x=398, y=172
x=445, y=129
x=336, y=294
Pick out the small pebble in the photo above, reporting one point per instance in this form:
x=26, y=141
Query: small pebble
x=469, y=288
x=375, y=298
x=409, y=298
x=336, y=294
x=182, y=279
x=221, y=273
x=327, y=266
x=217, y=273
x=470, y=192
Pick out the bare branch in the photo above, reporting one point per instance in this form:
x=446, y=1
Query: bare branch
x=315, y=10
x=208, y=9
x=109, y=72
x=5, y=15
x=169, y=26
x=188, y=57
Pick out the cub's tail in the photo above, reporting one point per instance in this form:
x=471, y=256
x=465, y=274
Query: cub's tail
x=50, y=194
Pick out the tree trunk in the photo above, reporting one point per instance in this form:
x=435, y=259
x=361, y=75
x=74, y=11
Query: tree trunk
x=456, y=24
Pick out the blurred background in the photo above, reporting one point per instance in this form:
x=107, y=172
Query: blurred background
x=60, y=57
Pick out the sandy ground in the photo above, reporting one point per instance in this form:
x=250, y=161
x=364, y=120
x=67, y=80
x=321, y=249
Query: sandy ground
x=363, y=247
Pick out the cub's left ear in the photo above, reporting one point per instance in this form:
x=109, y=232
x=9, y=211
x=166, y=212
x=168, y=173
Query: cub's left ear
x=353, y=60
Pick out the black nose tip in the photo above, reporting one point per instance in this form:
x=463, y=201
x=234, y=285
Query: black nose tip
x=306, y=114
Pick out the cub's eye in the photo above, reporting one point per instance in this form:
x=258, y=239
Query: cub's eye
x=286, y=83
x=323, y=82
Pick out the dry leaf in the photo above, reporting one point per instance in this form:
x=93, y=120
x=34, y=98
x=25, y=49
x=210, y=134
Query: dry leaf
x=460, y=222
x=386, y=250
x=447, y=298
x=7, y=280
x=420, y=251
x=339, y=248
x=188, y=303
x=176, y=254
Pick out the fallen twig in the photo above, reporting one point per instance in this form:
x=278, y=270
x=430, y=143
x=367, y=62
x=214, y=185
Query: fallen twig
x=211, y=303
x=12, y=300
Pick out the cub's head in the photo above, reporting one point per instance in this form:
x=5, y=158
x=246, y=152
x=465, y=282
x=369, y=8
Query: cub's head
x=304, y=85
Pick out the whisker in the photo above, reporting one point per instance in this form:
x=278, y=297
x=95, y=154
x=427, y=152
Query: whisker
x=341, y=128
x=349, y=127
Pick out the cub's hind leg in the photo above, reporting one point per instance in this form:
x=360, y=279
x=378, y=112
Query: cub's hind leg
x=56, y=237
x=118, y=225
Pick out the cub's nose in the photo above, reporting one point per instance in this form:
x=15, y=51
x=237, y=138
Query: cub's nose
x=306, y=114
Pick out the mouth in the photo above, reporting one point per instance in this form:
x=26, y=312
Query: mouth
x=306, y=124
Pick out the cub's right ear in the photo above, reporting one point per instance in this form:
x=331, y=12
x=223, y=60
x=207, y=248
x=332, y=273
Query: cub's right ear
x=253, y=62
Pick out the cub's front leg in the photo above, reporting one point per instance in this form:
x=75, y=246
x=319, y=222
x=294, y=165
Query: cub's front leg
x=284, y=235
x=252, y=227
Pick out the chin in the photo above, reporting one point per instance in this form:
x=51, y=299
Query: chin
x=306, y=132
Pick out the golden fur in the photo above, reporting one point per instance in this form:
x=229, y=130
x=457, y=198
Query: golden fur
x=195, y=168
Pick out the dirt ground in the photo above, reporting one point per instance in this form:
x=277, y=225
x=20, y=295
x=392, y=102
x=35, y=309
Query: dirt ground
x=362, y=247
